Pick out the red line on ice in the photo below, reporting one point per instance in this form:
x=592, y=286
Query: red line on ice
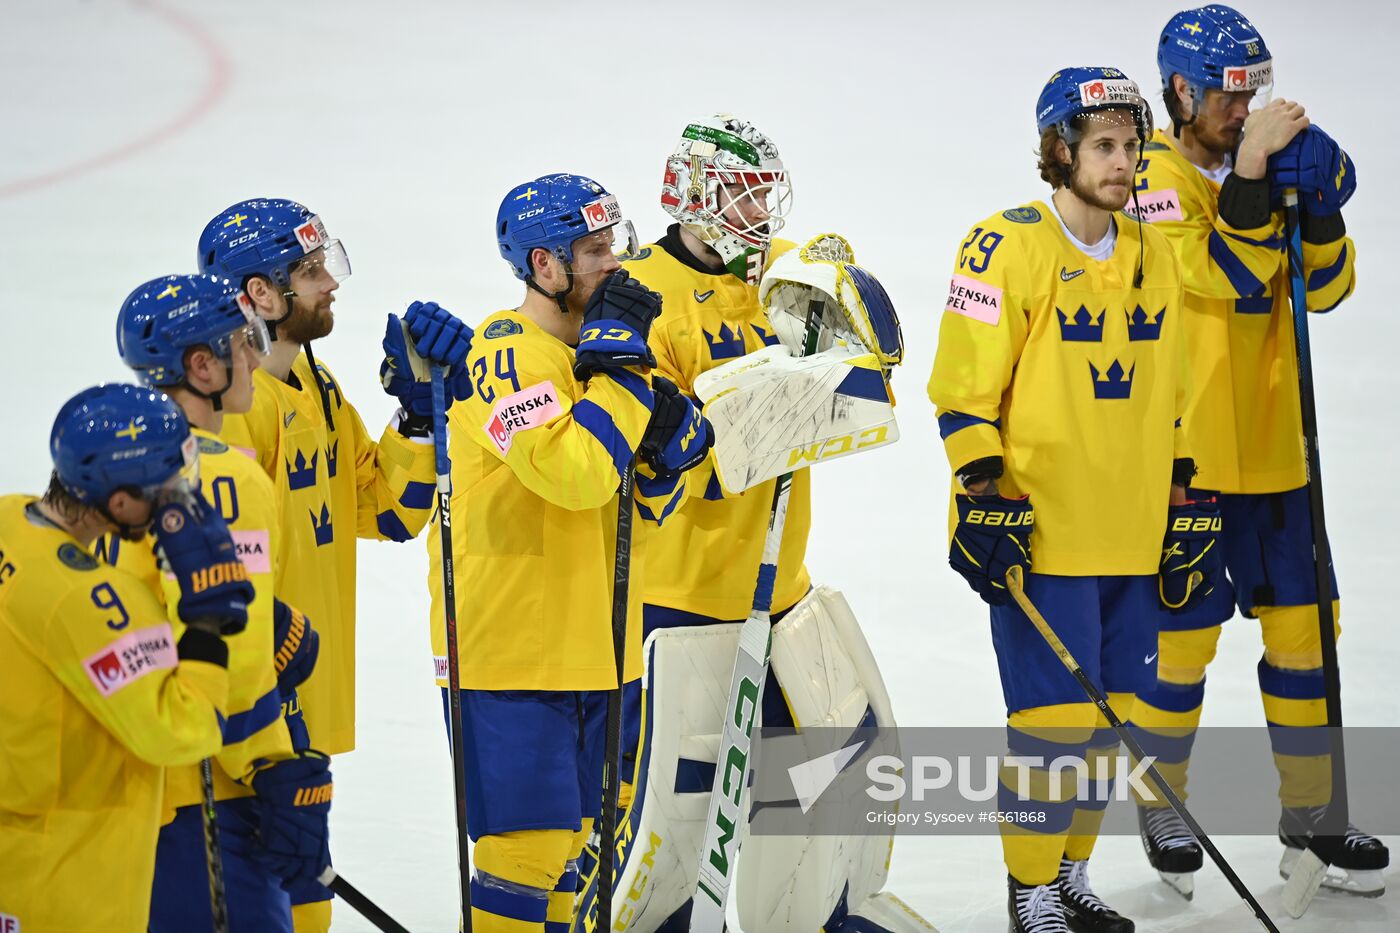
x=214, y=89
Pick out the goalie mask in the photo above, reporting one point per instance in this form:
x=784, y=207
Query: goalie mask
x=726, y=184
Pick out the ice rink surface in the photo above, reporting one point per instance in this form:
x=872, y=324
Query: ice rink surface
x=125, y=125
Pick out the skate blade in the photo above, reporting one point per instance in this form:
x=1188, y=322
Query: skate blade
x=1183, y=883
x=1306, y=874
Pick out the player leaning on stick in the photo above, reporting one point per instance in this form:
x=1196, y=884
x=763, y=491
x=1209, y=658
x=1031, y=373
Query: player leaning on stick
x=1060, y=384
x=563, y=401
x=99, y=696
x=1213, y=187
x=196, y=337
x=334, y=482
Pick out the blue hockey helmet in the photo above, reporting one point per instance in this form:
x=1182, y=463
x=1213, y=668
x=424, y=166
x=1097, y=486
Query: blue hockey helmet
x=1215, y=47
x=551, y=213
x=116, y=436
x=161, y=320
x=1073, y=92
x=267, y=236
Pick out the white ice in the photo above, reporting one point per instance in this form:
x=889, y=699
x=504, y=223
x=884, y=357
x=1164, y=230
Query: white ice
x=125, y=125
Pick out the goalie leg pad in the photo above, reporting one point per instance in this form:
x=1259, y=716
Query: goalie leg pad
x=686, y=689
x=830, y=679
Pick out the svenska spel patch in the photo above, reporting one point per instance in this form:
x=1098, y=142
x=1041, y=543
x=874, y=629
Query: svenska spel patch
x=1248, y=77
x=131, y=657
x=253, y=549
x=312, y=234
x=1158, y=205
x=971, y=298
x=526, y=409
x=602, y=212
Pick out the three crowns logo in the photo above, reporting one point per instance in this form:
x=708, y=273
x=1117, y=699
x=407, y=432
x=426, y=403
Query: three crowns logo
x=1113, y=384
x=302, y=474
x=1141, y=327
x=1082, y=328
x=728, y=345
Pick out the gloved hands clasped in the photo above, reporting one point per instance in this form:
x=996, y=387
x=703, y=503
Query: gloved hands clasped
x=616, y=323
x=1317, y=167
x=426, y=336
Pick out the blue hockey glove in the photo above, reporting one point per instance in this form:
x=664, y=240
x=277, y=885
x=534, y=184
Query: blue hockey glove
x=993, y=535
x=1191, y=559
x=406, y=375
x=193, y=541
x=294, y=807
x=295, y=645
x=678, y=437
x=438, y=335
x=615, y=326
x=1322, y=172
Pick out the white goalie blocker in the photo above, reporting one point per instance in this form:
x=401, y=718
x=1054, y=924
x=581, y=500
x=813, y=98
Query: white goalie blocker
x=830, y=679
x=778, y=410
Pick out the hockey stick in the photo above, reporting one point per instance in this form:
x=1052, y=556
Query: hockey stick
x=213, y=855
x=724, y=827
x=449, y=603
x=1324, y=848
x=1015, y=583
x=366, y=907
x=607, y=822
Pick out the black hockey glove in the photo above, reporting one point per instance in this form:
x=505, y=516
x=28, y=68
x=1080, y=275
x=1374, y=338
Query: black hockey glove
x=993, y=535
x=678, y=437
x=1191, y=559
x=616, y=324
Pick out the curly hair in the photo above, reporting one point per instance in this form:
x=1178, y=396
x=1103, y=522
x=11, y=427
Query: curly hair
x=1053, y=171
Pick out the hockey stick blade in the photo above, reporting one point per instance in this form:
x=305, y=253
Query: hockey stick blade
x=1302, y=885
x=366, y=907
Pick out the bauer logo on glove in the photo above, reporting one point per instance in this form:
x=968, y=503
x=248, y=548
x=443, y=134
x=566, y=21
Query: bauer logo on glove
x=1191, y=561
x=993, y=535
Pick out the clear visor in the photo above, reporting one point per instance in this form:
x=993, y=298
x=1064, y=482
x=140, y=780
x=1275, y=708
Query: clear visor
x=1134, y=110
x=331, y=258
x=252, y=334
x=752, y=205
x=602, y=248
x=183, y=486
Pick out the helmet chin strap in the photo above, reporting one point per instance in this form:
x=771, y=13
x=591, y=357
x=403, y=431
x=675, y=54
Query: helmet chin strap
x=556, y=297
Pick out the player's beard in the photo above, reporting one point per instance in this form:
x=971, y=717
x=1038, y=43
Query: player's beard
x=1219, y=141
x=307, y=324
x=1098, y=195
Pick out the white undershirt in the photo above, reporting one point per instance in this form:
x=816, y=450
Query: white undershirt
x=1218, y=175
x=1101, y=251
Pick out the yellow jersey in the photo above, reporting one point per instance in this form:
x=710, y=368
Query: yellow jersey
x=1054, y=362
x=705, y=558
x=254, y=731
x=1243, y=417
x=333, y=484
x=95, y=702
x=537, y=457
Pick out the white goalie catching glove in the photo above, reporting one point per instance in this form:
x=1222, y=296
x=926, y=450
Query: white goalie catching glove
x=778, y=409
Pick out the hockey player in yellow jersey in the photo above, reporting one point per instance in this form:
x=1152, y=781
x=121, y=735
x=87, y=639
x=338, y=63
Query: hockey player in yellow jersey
x=99, y=695
x=1211, y=185
x=563, y=401
x=196, y=337
x=334, y=482
x=1060, y=385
